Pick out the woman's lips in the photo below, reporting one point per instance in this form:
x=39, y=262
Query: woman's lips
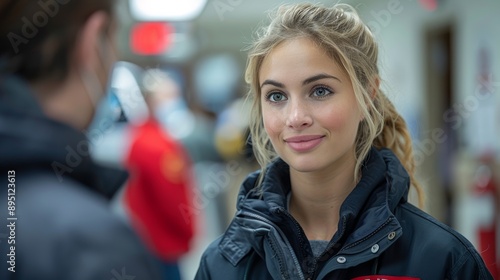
x=304, y=143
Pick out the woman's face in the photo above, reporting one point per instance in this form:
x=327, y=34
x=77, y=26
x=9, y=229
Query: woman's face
x=308, y=105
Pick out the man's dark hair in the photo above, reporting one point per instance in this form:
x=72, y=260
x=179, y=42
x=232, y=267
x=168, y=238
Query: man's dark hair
x=37, y=36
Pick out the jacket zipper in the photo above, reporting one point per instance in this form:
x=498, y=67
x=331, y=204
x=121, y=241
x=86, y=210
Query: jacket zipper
x=288, y=245
x=315, y=262
x=297, y=227
x=344, y=221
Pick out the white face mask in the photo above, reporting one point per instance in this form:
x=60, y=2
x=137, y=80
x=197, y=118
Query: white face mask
x=175, y=117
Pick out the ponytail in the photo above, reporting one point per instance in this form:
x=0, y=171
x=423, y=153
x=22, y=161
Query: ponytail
x=396, y=137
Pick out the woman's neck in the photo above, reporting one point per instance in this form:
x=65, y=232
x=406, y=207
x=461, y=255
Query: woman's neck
x=317, y=196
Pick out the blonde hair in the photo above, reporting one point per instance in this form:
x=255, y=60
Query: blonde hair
x=347, y=40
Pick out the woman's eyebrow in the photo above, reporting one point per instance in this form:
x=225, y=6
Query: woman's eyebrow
x=306, y=81
x=319, y=77
x=273, y=83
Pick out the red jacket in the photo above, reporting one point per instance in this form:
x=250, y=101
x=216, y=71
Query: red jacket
x=159, y=194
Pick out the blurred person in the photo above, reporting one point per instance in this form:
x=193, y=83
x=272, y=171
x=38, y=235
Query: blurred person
x=330, y=201
x=54, y=62
x=159, y=194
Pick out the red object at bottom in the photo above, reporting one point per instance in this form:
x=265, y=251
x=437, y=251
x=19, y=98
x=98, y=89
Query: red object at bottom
x=487, y=248
x=385, y=277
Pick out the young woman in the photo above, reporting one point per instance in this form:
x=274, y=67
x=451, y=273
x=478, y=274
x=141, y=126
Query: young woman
x=331, y=199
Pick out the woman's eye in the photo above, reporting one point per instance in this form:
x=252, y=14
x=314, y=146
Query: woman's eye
x=321, y=92
x=276, y=97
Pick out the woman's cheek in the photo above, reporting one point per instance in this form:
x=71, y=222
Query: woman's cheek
x=270, y=127
x=335, y=117
x=273, y=126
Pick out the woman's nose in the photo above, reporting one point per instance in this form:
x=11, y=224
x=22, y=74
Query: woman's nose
x=298, y=115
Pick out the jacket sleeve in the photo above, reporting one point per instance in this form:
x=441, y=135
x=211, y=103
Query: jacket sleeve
x=203, y=272
x=470, y=266
x=67, y=232
x=120, y=256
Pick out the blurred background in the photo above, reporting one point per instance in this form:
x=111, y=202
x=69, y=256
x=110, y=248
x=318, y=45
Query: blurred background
x=439, y=59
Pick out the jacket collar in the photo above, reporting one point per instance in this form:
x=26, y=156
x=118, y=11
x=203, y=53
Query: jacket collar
x=273, y=190
x=369, y=207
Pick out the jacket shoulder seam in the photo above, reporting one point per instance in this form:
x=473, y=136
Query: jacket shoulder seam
x=421, y=214
x=466, y=255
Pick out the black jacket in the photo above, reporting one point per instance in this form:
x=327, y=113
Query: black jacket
x=379, y=233
x=63, y=228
